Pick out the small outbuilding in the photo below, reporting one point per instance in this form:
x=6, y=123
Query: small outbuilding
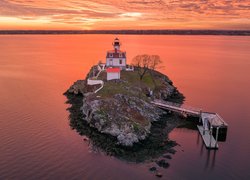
x=113, y=73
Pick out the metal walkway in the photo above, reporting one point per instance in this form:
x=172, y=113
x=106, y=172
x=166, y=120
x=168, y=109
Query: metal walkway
x=209, y=121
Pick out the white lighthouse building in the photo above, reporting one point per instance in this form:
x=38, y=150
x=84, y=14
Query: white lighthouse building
x=116, y=57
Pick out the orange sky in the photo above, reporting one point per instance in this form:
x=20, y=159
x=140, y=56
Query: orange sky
x=125, y=14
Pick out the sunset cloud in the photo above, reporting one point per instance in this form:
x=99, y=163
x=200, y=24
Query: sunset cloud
x=122, y=14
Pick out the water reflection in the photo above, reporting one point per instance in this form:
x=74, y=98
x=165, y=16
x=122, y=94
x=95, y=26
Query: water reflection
x=210, y=154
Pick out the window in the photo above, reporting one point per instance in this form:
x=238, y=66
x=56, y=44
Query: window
x=120, y=61
x=110, y=55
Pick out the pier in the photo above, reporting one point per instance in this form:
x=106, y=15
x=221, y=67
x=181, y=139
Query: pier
x=211, y=126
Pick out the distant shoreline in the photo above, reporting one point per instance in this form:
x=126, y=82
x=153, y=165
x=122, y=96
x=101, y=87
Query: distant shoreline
x=129, y=32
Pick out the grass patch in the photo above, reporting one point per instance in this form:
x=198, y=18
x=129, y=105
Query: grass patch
x=147, y=81
x=111, y=88
x=102, y=76
x=130, y=81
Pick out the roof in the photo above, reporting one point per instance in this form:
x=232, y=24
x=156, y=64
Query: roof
x=214, y=119
x=116, y=54
x=113, y=70
x=115, y=51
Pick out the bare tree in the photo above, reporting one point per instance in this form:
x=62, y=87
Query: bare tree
x=155, y=61
x=146, y=63
x=142, y=62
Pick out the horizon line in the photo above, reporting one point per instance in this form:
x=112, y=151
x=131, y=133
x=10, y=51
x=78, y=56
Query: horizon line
x=133, y=31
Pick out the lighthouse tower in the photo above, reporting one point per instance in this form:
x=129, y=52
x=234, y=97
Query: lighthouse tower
x=116, y=44
x=116, y=57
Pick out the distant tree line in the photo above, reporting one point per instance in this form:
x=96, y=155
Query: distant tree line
x=142, y=32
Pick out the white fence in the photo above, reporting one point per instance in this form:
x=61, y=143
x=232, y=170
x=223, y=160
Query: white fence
x=94, y=82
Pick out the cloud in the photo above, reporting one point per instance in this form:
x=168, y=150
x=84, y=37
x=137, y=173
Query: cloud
x=101, y=14
x=131, y=14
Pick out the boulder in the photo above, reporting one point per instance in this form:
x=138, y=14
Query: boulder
x=152, y=169
x=162, y=163
x=158, y=174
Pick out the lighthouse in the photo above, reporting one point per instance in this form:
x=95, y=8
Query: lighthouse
x=116, y=57
x=116, y=44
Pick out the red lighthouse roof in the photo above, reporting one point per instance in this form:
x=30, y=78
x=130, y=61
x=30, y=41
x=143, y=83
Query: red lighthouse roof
x=113, y=70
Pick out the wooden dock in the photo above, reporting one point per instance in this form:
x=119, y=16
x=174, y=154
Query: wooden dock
x=212, y=123
x=207, y=137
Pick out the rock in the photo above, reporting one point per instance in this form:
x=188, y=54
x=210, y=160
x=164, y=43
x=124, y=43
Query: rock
x=121, y=137
x=79, y=87
x=158, y=174
x=167, y=156
x=123, y=126
x=162, y=163
x=152, y=169
x=172, y=151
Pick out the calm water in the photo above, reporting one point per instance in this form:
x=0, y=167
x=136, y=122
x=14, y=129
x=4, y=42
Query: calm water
x=36, y=140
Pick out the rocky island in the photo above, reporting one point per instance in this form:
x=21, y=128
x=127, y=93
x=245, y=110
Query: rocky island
x=122, y=107
x=115, y=103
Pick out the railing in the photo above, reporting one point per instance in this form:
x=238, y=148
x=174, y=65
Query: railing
x=184, y=107
x=94, y=81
